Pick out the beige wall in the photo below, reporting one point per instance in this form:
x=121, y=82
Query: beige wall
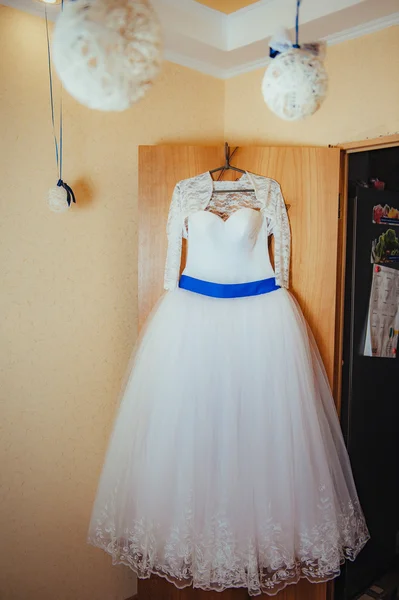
x=68, y=306
x=363, y=98
x=68, y=282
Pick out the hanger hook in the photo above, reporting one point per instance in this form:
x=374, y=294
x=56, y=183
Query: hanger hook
x=226, y=155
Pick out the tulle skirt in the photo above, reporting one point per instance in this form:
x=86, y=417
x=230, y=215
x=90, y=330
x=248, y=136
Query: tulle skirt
x=227, y=466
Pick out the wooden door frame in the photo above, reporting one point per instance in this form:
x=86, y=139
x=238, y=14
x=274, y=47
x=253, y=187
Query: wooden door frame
x=385, y=141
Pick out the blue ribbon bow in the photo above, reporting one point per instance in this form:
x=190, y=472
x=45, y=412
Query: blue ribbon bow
x=70, y=195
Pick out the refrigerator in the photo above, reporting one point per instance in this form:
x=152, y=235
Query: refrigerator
x=370, y=396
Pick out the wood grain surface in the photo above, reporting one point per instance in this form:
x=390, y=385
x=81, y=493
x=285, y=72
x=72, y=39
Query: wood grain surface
x=310, y=182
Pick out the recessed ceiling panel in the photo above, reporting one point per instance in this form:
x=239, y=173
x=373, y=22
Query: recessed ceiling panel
x=227, y=6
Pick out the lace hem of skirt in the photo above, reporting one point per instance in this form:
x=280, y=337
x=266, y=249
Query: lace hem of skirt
x=262, y=569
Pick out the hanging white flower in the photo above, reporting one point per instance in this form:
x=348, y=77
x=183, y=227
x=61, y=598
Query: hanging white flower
x=107, y=52
x=58, y=199
x=295, y=83
x=61, y=197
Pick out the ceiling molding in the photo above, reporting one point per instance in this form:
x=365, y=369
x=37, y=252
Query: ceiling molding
x=331, y=40
x=365, y=29
x=195, y=64
x=261, y=63
x=225, y=46
x=193, y=7
x=260, y=21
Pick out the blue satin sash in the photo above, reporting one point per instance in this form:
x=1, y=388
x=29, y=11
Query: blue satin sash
x=228, y=290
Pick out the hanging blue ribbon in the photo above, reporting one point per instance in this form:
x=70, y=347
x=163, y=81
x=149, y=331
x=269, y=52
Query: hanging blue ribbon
x=50, y=74
x=57, y=143
x=296, y=45
x=273, y=52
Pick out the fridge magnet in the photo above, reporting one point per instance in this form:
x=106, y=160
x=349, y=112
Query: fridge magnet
x=385, y=215
x=385, y=249
x=377, y=184
x=383, y=317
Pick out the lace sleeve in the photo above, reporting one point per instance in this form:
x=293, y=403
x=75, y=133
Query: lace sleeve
x=174, y=233
x=282, y=238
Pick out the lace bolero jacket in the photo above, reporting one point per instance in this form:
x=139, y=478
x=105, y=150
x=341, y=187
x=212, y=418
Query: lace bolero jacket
x=194, y=194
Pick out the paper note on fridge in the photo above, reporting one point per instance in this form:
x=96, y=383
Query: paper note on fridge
x=383, y=316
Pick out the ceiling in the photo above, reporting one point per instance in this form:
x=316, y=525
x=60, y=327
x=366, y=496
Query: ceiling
x=225, y=45
x=226, y=6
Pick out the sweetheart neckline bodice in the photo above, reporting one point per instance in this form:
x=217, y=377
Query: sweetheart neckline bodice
x=240, y=210
x=231, y=248
x=234, y=250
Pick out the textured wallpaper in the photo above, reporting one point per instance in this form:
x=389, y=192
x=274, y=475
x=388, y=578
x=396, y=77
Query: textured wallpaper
x=69, y=282
x=68, y=306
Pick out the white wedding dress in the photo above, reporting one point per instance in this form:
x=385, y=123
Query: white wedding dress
x=227, y=466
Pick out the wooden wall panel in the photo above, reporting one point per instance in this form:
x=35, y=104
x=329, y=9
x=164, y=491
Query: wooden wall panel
x=160, y=168
x=309, y=178
x=157, y=588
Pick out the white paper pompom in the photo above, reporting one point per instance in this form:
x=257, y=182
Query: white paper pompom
x=107, y=52
x=295, y=84
x=58, y=199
